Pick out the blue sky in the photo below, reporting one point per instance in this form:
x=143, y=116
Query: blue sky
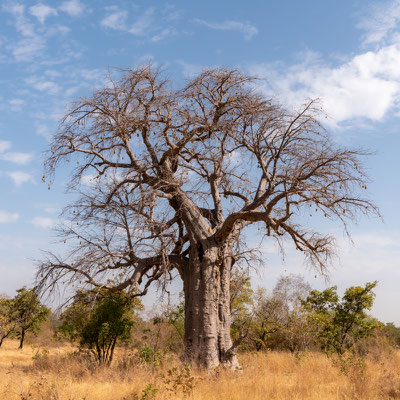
x=347, y=53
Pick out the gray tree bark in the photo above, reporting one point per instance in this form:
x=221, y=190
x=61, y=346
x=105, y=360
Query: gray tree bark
x=207, y=309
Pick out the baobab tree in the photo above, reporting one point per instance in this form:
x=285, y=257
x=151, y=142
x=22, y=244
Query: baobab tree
x=169, y=178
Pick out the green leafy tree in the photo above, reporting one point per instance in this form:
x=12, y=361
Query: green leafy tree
x=176, y=317
x=99, y=319
x=340, y=323
x=241, y=302
x=7, y=325
x=27, y=313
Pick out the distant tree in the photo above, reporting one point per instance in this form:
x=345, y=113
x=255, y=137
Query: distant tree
x=392, y=332
x=27, y=313
x=7, y=324
x=267, y=319
x=178, y=174
x=241, y=302
x=340, y=323
x=294, y=332
x=99, y=319
x=278, y=322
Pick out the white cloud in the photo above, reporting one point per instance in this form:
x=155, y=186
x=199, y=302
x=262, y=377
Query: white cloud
x=50, y=208
x=6, y=217
x=4, y=145
x=17, y=157
x=367, y=86
x=245, y=28
x=31, y=45
x=382, y=23
x=20, y=177
x=22, y=25
x=44, y=222
x=115, y=20
x=89, y=180
x=14, y=157
x=43, y=85
x=16, y=104
x=42, y=11
x=43, y=130
x=73, y=7
x=172, y=13
x=162, y=35
x=144, y=25
x=28, y=48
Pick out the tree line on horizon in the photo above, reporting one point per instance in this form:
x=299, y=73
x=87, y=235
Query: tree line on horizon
x=292, y=317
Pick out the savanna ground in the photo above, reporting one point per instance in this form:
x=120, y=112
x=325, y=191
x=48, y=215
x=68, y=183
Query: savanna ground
x=57, y=372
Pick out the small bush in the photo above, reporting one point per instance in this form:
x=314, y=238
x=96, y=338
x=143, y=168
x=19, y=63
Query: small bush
x=179, y=380
x=150, y=356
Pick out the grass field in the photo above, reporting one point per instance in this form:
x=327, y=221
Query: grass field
x=52, y=374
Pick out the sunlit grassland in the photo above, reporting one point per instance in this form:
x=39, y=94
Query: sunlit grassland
x=34, y=373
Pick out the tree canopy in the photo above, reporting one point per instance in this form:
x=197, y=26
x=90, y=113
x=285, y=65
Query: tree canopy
x=168, y=178
x=27, y=313
x=340, y=323
x=98, y=320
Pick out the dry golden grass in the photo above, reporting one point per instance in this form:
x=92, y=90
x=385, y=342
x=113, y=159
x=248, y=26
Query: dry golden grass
x=59, y=376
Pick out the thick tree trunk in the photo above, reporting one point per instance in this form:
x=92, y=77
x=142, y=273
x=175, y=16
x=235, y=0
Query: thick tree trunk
x=207, y=308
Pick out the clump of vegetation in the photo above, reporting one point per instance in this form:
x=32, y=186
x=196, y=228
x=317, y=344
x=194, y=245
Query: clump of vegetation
x=98, y=319
x=339, y=324
x=150, y=356
x=22, y=314
x=178, y=380
x=7, y=323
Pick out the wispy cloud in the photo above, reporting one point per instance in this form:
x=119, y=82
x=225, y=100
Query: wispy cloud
x=118, y=20
x=248, y=30
x=20, y=177
x=51, y=208
x=31, y=44
x=16, y=104
x=4, y=145
x=73, y=7
x=190, y=70
x=28, y=48
x=115, y=20
x=42, y=11
x=17, y=157
x=43, y=129
x=34, y=30
x=44, y=222
x=143, y=23
x=147, y=25
x=43, y=85
x=162, y=35
x=381, y=25
x=14, y=157
x=22, y=24
x=172, y=13
x=7, y=217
